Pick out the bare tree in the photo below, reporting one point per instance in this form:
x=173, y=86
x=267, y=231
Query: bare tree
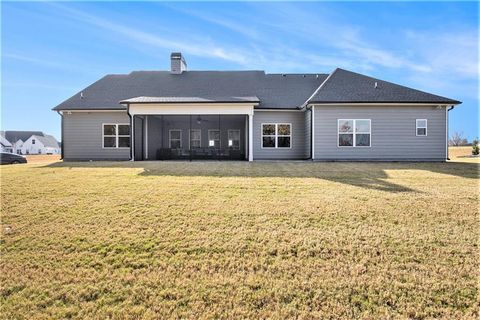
x=457, y=139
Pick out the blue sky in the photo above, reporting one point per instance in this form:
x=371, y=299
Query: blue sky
x=50, y=51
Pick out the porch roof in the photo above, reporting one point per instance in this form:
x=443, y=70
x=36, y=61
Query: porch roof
x=227, y=99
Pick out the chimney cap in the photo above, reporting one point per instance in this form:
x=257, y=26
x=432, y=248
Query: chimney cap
x=176, y=55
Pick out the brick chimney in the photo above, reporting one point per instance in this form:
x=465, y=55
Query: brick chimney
x=178, y=64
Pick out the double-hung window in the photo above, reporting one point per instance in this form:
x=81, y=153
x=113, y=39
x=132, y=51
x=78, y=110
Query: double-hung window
x=116, y=135
x=214, y=138
x=354, y=132
x=276, y=135
x=175, y=139
x=421, y=127
x=195, y=138
x=234, y=139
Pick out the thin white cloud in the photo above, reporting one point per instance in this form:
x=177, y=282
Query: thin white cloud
x=202, y=49
x=50, y=62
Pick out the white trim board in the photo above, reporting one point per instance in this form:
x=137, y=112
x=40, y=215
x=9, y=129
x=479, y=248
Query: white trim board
x=190, y=109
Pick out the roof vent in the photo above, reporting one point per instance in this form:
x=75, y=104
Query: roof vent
x=284, y=75
x=81, y=95
x=177, y=63
x=316, y=76
x=376, y=85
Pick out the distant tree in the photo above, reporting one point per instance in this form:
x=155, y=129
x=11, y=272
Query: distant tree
x=457, y=139
x=475, y=147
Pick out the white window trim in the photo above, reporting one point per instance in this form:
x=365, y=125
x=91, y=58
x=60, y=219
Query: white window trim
x=354, y=133
x=170, y=138
x=116, y=135
x=190, y=138
x=417, y=127
x=276, y=135
x=219, y=138
x=239, y=138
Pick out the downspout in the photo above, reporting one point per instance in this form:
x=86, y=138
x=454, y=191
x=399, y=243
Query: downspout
x=61, y=135
x=131, y=131
x=446, y=120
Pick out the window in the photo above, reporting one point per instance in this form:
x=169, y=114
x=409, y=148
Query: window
x=234, y=139
x=195, y=138
x=421, y=127
x=354, y=133
x=33, y=141
x=116, y=135
x=214, y=138
x=276, y=135
x=175, y=139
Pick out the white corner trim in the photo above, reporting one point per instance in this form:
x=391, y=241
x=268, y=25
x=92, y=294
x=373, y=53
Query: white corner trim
x=250, y=137
x=313, y=132
x=446, y=132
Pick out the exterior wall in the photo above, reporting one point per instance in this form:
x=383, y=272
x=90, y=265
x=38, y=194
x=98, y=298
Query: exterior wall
x=17, y=146
x=298, y=142
x=29, y=148
x=82, y=136
x=393, y=133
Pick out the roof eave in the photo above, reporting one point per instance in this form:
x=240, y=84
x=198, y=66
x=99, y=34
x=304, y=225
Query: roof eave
x=450, y=102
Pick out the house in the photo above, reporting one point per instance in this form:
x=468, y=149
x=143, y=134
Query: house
x=40, y=144
x=47, y=144
x=5, y=145
x=252, y=115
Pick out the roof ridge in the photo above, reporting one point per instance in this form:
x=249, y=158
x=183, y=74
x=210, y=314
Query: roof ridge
x=318, y=89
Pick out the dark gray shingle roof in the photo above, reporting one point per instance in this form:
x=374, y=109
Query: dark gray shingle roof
x=344, y=86
x=14, y=136
x=273, y=90
x=47, y=141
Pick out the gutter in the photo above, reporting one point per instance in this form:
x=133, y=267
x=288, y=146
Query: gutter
x=62, y=135
x=448, y=109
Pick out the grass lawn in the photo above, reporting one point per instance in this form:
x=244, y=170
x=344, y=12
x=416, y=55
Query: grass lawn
x=240, y=240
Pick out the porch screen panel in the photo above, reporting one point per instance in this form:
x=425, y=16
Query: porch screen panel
x=192, y=137
x=175, y=144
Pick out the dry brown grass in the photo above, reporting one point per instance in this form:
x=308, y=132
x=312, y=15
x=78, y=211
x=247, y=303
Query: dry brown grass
x=462, y=154
x=240, y=240
x=41, y=158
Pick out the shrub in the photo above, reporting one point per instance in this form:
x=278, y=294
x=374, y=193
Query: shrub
x=475, y=147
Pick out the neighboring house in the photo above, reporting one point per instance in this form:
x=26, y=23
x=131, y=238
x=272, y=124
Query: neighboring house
x=41, y=144
x=47, y=145
x=17, y=146
x=251, y=115
x=5, y=145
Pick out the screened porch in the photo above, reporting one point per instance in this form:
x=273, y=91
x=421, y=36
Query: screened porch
x=190, y=137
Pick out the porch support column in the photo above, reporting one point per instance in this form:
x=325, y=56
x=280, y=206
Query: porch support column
x=132, y=137
x=250, y=137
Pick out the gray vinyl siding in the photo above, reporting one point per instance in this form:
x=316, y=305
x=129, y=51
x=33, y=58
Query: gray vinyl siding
x=393, y=133
x=82, y=136
x=298, y=142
